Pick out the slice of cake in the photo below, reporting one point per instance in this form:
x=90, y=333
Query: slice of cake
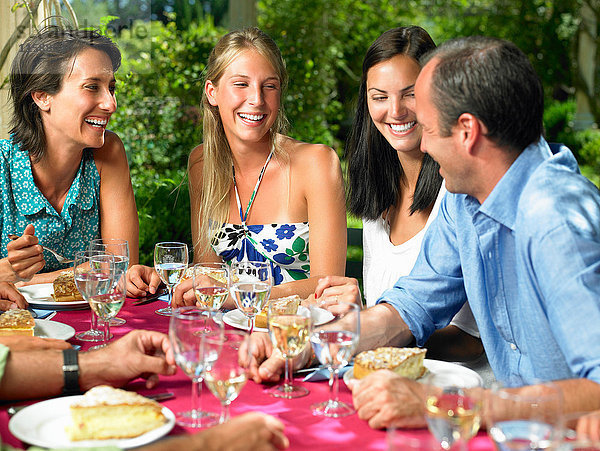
x=65, y=289
x=110, y=413
x=17, y=322
x=285, y=306
x=406, y=362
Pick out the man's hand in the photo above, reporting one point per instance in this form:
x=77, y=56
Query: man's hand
x=183, y=294
x=141, y=281
x=140, y=353
x=10, y=297
x=384, y=398
x=588, y=427
x=25, y=255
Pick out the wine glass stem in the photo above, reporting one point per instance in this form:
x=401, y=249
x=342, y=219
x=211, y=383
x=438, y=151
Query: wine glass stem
x=170, y=291
x=106, y=331
x=94, y=322
x=288, y=374
x=251, y=325
x=196, y=398
x=333, y=384
x=224, y=413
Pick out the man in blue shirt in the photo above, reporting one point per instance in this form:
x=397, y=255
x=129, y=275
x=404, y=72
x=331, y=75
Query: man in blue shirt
x=518, y=235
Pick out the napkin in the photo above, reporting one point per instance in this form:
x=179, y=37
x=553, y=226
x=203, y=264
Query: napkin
x=41, y=314
x=322, y=374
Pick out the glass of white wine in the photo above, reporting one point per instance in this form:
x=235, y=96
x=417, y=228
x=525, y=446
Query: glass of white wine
x=250, y=286
x=120, y=249
x=334, y=345
x=525, y=418
x=453, y=413
x=211, y=284
x=187, y=326
x=226, y=376
x=170, y=262
x=289, y=333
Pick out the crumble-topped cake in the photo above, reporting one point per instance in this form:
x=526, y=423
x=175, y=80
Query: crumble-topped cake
x=406, y=362
x=17, y=322
x=286, y=306
x=110, y=413
x=65, y=289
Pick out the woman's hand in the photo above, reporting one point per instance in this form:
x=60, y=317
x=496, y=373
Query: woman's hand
x=183, y=294
x=10, y=297
x=332, y=292
x=588, y=427
x=25, y=256
x=141, y=281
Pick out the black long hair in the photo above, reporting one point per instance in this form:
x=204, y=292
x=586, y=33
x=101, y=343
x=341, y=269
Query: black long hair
x=374, y=170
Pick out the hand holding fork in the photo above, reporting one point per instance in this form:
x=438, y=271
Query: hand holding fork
x=25, y=256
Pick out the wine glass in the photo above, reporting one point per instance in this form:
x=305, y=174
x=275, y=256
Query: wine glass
x=93, y=272
x=250, y=287
x=107, y=305
x=453, y=412
x=525, y=418
x=226, y=376
x=120, y=249
x=170, y=262
x=289, y=333
x=334, y=346
x=187, y=325
x=211, y=284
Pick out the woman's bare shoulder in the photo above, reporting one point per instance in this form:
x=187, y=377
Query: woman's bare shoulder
x=302, y=153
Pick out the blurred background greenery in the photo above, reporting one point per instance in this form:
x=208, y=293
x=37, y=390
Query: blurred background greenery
x=165, y=44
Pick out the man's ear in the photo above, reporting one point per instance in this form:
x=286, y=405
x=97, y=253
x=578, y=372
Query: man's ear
x=42, y=100
x=210, y=90
x=470, y=130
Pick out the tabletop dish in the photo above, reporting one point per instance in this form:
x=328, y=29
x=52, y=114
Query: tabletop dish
x=52, y=329
x=237, y=319
x=40, y=296
x=43, y=424
x=443, y=372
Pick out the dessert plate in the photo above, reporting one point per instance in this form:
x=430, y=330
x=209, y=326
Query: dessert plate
x=52, y=329
x=40, y=296
x=237, y=319
x=43, y=424
x=443, y=372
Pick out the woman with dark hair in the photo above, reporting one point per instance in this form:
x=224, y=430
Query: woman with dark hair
x=394, y=187
x=64, y=178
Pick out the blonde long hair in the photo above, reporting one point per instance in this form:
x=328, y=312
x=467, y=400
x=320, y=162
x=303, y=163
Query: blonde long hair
x=213, y=198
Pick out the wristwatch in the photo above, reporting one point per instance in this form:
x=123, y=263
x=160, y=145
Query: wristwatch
x=70, y=372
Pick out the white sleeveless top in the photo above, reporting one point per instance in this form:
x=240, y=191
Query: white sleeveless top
x=384, y=263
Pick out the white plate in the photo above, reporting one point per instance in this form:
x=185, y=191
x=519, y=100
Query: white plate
x=43, y=424
x=443, y=372
x=237, y=319
x=40, y=296
x=52, y=329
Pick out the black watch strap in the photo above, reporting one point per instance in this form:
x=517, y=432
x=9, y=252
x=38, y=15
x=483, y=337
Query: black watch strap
x=70, y=372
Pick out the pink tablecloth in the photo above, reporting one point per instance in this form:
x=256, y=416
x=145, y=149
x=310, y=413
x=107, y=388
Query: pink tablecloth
x=304, y=430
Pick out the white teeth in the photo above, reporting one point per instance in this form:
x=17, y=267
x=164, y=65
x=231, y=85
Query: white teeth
x=252, y=117
x=403, y=127
x=96, y=122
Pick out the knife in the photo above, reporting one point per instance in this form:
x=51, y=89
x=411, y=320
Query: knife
x=151, y=297
x=160, y=396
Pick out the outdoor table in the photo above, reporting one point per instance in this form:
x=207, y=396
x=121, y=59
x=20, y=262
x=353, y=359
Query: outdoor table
x=305, y=431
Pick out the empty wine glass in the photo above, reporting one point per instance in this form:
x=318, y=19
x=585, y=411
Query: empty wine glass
x=453, y=412
x=525, y=418
x=93, y=272
x=226, y=376
x=250, y=286
x=120, y=249
x=186, y=328
x=289, y=333
x=170, y=262
x=211, y=284
x=334, y=346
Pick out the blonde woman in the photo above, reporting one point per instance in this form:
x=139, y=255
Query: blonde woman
x=255, y=192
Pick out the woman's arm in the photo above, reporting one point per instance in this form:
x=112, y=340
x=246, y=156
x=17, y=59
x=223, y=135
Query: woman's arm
x=118, y=213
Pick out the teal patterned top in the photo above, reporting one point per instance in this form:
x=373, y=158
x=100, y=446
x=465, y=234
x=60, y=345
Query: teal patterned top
x=22, y=203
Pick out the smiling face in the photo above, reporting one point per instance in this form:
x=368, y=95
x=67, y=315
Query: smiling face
x=78, y=114
x=248, y=97
x=391, y=101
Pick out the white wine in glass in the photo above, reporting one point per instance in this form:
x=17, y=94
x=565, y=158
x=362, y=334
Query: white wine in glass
x=211, y=284
x=170, y=263
x=250, y=286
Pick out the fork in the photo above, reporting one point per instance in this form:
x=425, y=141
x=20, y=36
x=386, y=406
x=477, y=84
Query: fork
x=62, y=260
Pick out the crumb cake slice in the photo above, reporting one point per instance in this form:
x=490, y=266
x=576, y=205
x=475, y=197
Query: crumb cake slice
x=65, y=289
x=406, y=362
x=17, y=322
x=110, y=413
x=285, y=306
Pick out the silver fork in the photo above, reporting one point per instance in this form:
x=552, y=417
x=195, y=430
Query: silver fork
x=62, y=260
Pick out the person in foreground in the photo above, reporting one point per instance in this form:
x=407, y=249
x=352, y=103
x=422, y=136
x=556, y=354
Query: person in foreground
x=64, y=179
x=518, y=235
x=254, y=191
x=29, y=372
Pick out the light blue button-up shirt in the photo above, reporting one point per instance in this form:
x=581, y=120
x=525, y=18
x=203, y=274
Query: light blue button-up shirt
x=528, y=261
